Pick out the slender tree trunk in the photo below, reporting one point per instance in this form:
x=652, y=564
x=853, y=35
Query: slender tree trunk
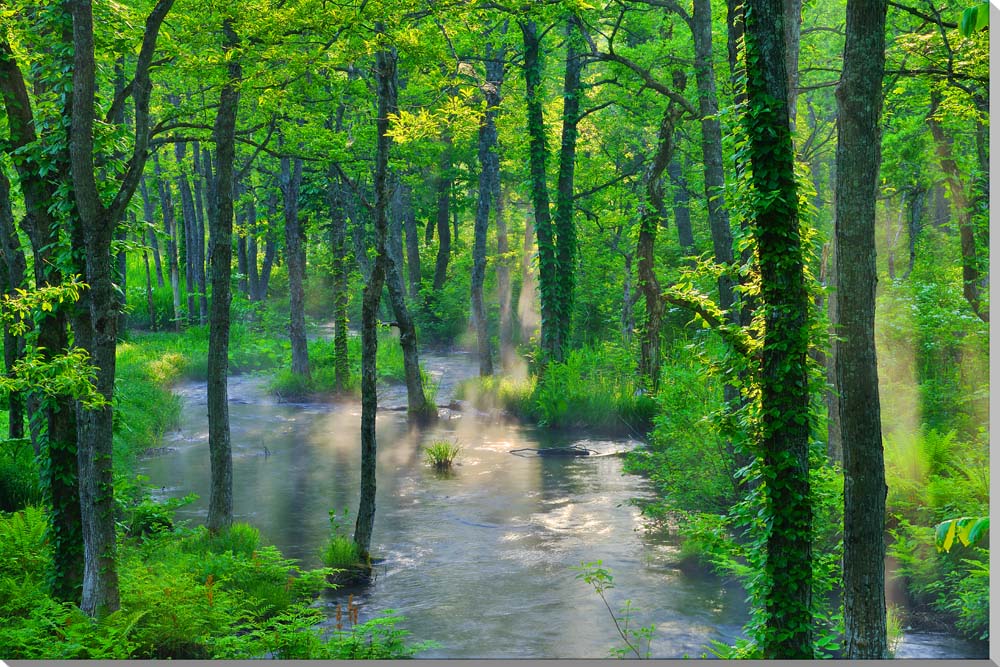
x=220, y=503
x=915, y=212
x=190, y=232
x=548, y=264
x=963, y=209
x=682, y=212
x=793, y=35
x=503, y=281
x=385, y=71
x=859, y=107
x=443, y=209
x=253, y=271
x=13, y=267
x=417, y=408
x=529, y=283
x=295, y=255
x=149, y=216
x=565, y=229
x=242, y=261
x=167, y=208
x=338, y=247
x=200, y=236
x=270, y=251
x=150, y=307
x=489, y=162
x=412, y=243
x=628, y=314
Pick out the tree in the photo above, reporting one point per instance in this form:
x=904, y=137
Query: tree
x=859, y=102
x=784, y=401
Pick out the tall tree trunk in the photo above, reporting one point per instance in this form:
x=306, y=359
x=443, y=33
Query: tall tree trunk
x=963, y=209
x=628, y=300
x=167, y=208
x=565, y=229
x=489, y=164
x=417, y=408
x=385, y=71
x=548, y=265
x=149, y=216
x=915, y=210
x=220, y=503
x=13, y=267
x=199, y=211
x=529, y=283
x=295, y=255
x=253, y=271
x=443, y=211
x=190, y=232
x=682, y=212
x=859, y=107
x=784, y=383
x=503, y=280
x=338, y=248
x=150, y=306
x=270, y=251
x=793, y=35
x=649, y=223
x=412, y=243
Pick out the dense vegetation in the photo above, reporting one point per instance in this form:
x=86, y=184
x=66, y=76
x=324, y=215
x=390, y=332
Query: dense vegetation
x=726, y=229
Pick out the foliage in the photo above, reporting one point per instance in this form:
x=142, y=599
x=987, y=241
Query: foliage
x=442, y=453
x=340, y=551
x=19, y=476
x=637, y=640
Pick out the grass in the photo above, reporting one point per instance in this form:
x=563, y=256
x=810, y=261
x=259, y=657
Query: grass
x=442, y=454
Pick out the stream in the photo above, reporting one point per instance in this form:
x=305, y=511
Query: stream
x=478, y=560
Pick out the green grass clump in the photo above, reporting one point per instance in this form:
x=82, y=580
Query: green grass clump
x=442, y=454
x=341, y=552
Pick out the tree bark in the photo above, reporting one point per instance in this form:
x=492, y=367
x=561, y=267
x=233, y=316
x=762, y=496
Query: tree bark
x=190, y=233
x=412, y=244
x=489, y=164
x=295, y=256
x=784, y=383
x=682, y=212
x=548, y=266
x=504, y=295
x=859, y=107
x=963, y=209
x=385, y=71
x=167, y=208
x=13, y=267
x=338, y=248
x=149, y=216
x=220, y=503
x=199, y=236
x=443, y=212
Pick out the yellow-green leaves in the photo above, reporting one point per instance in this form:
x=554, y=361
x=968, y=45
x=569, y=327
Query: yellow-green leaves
x=968, y=530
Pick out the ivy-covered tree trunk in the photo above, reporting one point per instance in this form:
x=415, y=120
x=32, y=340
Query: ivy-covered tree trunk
x=489, y=164
x=385, y=73
x=295, y=257
x=784, y=393
x=548, y=267
x=859, y=107
x=338, y=248
x=564, y=227
x=220, y=503
x=54, y=421
x=13, y=267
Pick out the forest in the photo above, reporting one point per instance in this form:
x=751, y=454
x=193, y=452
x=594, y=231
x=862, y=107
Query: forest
x=483, y=329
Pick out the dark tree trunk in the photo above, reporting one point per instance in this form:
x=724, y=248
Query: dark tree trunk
x=385, y=71
x=503, y=281
x=295, y=256
x=167, y=208
x=53, y=423
x=784, y=385
x=548, y=266
x=859, y=107
x=190, y=232
x=199, y=211
x=338, y=248
x=443, y=214
x=13, y=267
x=649, y=223
x=412, y=243
x=96, y=322
x=793, y=34
x=417, y=408
x=682, y=212
x=149, y=216
x=489, y=175
x=963, y=209
x=565, y=229
x=220, y=503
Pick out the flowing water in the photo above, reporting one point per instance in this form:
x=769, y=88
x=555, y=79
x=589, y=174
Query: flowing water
x=478, y=560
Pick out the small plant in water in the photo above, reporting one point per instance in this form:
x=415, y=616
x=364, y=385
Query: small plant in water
x=340, y=551
x=442, y=453
x=637, y=641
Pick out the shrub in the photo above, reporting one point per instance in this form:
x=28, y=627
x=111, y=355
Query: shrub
x=20, y=484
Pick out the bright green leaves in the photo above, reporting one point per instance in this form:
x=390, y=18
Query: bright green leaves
x=968, y=530
x=974, y=19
